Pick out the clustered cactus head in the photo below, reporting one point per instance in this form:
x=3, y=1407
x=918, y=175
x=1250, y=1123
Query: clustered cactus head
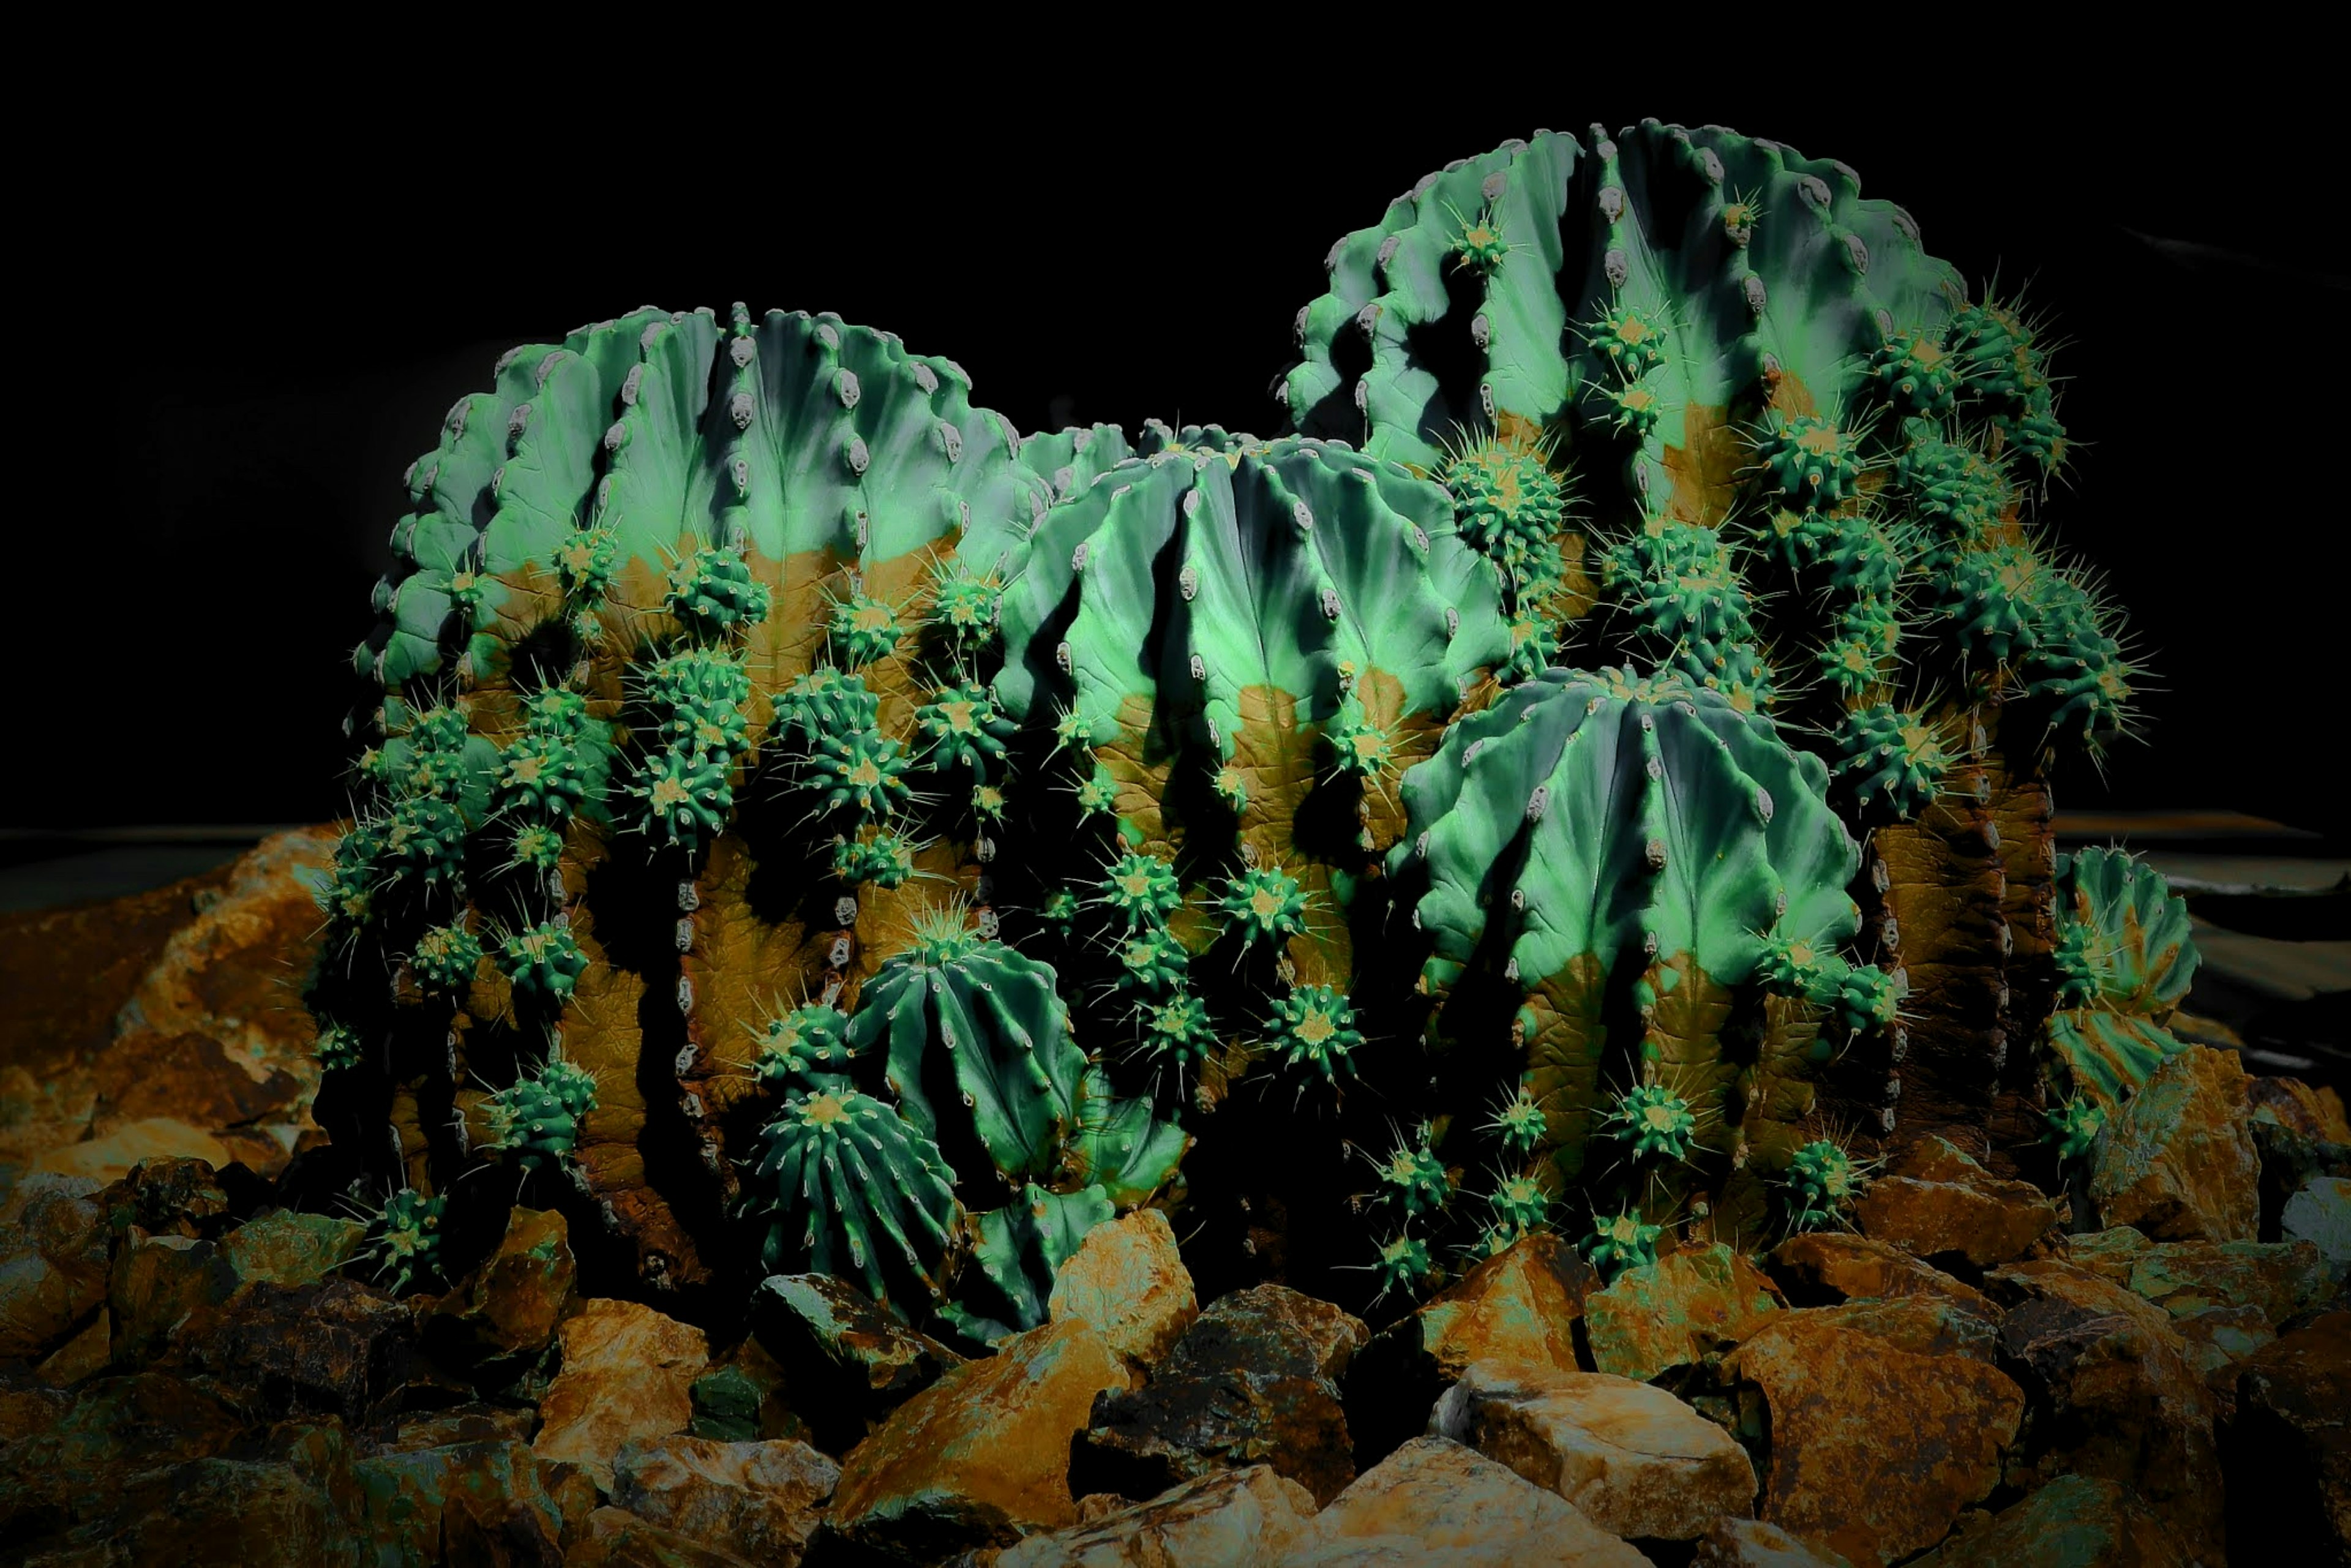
x=1656, y=524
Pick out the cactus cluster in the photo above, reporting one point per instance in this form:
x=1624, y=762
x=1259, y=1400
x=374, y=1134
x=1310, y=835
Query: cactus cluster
x=811, y=825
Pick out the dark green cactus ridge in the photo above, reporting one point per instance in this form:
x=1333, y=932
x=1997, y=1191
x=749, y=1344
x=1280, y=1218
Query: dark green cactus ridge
x=536, y=1120
x=868, y=1195
x=403, y=1239
x=1413, y=1179
x=1890, y=760
x=804, y=1047
x=1820, y=1181
x=2073, y=1127
x=1020, y=1247
x=991, y=1020
x=1652, y=1120
x=445, y=957
x=1620, y=1241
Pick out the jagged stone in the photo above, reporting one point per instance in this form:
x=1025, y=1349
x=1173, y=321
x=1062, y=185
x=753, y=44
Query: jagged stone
x=1519, y=1306
x=1438, y=1503
x=2179, y=1164
x=2115, y=1395
x=1816, y=1267
x=289, y=1249
x=337, y=1349
x=1635, y=1460
x=1937, y=1201
x=1231, y=1519
x=758, y=1499
x=982, y=1456
x=159, y=1286
x=627, y=1373
x=846, y=1360
x=1129, y=1283
x=2072, y=1521
x=1751, y=1543
x=511, y=1305
x=1675, y=1312
x=2320, y=1215
x=1879, y=1436
x=2286, y=1450
x=619, y=1539
x=1253, y=1379
x=493, y=1502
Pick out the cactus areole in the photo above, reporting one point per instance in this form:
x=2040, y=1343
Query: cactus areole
x=1576, y=773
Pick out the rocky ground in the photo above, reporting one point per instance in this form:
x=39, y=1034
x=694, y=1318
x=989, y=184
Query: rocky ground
x=2153, y=1368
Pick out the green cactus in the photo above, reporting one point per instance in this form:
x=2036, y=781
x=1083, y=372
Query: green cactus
x=403, y=1239
x=2125, y=957
x=731, y=658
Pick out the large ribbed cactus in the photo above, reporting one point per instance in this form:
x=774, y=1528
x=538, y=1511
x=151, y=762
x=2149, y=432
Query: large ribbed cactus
x=814, y=826
x=1754, y=431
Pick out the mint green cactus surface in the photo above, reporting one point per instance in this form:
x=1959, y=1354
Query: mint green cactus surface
x=2125, y=957
x=1580, y=766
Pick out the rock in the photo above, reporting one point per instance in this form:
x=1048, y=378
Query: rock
x=114, y=1156
x=619, y=1539
x=67, y=1455
x=159, y=1283
x=511, y=1305
x=2300, y=1136
x=982, y=1456
x=2287, y=1450
x=1817, y=1267
x=1231, y=1519
x=1435, y=1503
x=290, y=1248
x=846, y=1360
x=757, y=1500
x=1874, y=1448
x=2179, y=1164
x=41, y=1304
x=166, y=1195
x=1128, y=1281
x=488, y=1502
x=1751, y=1543
x=213, y=1512
x=2110, y=1254
x=1253, y=1379
x=2228, y=1298
x=337, y=1349
x=85, y=1355
x=2320, y=1214
x=2072, y=1521
x=2292, y=1104
x=742, y=1401
x=1937, y=1202
x=2115, y=1395
x=1675, y=1312
x=1635, y=1460
x=626, y=1372
x=1519, y=1306
x=472, y=1423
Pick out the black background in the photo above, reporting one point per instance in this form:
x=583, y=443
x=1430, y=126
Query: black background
x=261, y=290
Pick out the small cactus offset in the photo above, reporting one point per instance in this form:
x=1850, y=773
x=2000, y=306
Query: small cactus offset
x=804, y=824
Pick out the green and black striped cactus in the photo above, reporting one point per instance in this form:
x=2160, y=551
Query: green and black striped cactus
x=1586, y=771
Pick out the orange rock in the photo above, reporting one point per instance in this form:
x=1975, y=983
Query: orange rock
x=1937, y=1201
x=2115, y=1393
x=2179, y=1163
x=2288, y=1449
x=1129, y=1281
x=1832, y=1263
x=1519, y=1307
x=1233, y=1519
x=1635, y=1460
x=110, y=1159
x=514, y=1303
x=758, y=1499
x=2073, y=1520
x=981, y=1457
x=1434, y=1504
x=1675, y=1312
x=1874, y=1450
x=627, y=1373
